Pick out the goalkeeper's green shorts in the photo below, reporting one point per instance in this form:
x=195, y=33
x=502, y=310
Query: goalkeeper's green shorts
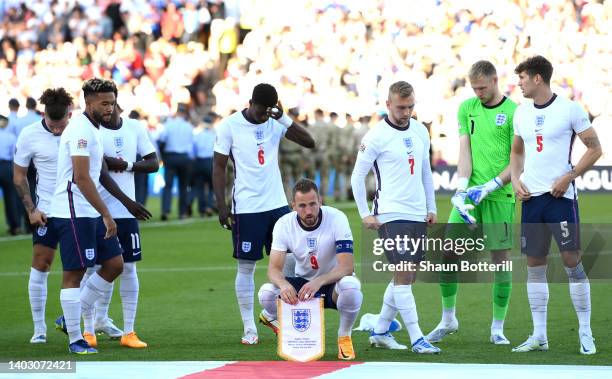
x=496, y=218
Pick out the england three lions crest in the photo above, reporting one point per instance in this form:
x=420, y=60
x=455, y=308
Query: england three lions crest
x=301, y=319
x=408, y=143
x=311, y=243
x=500, y=119
x=118, y=142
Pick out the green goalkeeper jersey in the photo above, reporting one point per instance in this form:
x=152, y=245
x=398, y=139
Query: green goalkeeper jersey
x=491, y=133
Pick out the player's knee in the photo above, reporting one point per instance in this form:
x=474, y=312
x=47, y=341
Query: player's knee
x=536, y=274
x=576, y=274
x=348, y=283
x=267, y=292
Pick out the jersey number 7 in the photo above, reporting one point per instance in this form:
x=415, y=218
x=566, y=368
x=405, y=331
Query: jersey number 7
x=411, y=163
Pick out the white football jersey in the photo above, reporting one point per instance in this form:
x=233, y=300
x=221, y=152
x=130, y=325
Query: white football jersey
x=253, y=148
x=37, y=143
x=548, y=132
x=314, y=248
x=81, y=138
x=124, y=143
x=397, y=158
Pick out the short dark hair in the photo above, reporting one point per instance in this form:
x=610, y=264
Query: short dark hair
x=134, y=114
x=97, y=85
x=57, y=102
x=536, y=65
x=264, y=94
x=304, y=185
x=13, y=103
x=482, y=68
x=30, y=103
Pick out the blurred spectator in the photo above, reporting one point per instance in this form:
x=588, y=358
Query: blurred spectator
x=7, y=149
x=176, y=147
x=201, y=180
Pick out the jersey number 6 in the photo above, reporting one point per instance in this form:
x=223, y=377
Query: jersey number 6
x=540, y=143
x=260, y=156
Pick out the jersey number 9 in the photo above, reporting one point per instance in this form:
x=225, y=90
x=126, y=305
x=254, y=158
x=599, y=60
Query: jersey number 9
x=314, y=264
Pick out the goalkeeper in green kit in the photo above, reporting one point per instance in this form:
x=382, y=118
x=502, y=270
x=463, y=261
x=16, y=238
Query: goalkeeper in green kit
x=484, y=193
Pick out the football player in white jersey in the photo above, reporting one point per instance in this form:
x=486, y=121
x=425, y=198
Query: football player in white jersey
x=39, y=143
x=251, y=138
x=123, y=139
x=397, y=150
x=543, y=178
x=76, y=207
x=321, y=241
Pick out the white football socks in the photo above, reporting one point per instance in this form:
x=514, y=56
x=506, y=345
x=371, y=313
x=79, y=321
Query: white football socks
x=37, y=290
x=387, y=312
x=245, y=292
x=404, y=301
x=537, y=292
x=93, y=290
x=71, y=306
x=128, y=289
x=348, y=303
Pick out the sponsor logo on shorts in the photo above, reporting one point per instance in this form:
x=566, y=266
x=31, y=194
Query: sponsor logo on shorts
x=90, y=254
x=41, y=230
x=246, y=246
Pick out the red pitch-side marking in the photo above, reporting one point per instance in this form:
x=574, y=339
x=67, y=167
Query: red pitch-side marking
x=272, y=370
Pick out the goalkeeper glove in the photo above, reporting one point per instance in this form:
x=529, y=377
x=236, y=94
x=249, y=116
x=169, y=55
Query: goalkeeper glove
x=478, y=193
x=458, y=202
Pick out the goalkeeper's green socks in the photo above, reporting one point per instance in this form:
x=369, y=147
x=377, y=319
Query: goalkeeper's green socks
x=448, y=290
x=502, y=288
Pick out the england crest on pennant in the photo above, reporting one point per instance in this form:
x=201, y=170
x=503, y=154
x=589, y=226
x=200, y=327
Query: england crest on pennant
x=301, y=319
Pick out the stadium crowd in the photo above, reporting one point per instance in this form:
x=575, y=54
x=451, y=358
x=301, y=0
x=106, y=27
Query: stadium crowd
x=336, y=56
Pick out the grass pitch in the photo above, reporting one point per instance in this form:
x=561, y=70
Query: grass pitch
x=188, y=310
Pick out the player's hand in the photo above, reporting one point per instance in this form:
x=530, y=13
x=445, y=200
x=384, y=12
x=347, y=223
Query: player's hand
x=464, y=209
x=309, y=290
x=478, y=193
x=138, y=210
x=276, y=112
x=521, y=191
x=111, y=227
x=115, y=164
x=225, y=218
x=371, y=222
x=37, y=218
x=431, y=218
x=288, y=294
x=560, y=186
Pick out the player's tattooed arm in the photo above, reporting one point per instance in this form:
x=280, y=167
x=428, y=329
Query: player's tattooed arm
x=591, y=141
x=23, y=188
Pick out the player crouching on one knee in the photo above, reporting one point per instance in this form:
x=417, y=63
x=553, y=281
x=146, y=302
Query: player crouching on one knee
x=321, y=241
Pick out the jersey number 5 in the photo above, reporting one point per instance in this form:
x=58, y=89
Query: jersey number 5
x=260, y=156
x=314, y=264
x=540, y=143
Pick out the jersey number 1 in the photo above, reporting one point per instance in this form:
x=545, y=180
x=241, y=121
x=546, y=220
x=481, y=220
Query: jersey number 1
x=540, y=143
x=260, y=156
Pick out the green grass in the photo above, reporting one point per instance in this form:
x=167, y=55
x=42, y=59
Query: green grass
x=188, y=311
